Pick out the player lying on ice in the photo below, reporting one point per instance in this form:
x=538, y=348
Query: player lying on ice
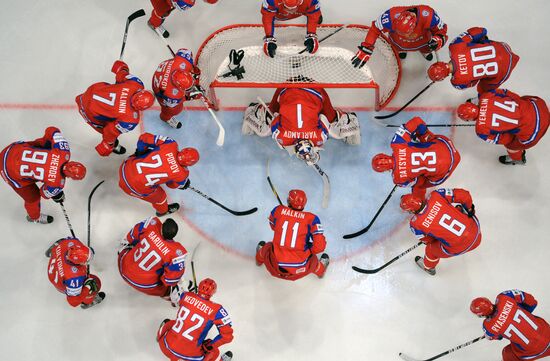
x=300, y=120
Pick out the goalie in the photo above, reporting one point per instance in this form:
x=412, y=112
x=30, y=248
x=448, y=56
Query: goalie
x=300, y=120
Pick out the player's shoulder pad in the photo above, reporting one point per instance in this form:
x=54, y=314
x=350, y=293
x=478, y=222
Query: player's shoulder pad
x=125, y=127
x=60, y=142
x=513, y=293
x=180, y=258
x=269, y=5
x=74, y=285
x=132, y=77
x=384, y=21
x=187, y=55
x=436, y=20
x=223, y=315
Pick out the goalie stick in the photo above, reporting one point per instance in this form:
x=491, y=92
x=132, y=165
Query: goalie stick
x=366, y=229
x=371, y=271
x=406, y=104
x=236, y=213
x=271, y=184
x=408, y=358
x=221, y=131
x=89, y=229
x=137, y=14
x=324, y=176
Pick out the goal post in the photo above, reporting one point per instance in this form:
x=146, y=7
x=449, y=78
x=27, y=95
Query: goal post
x=330, y=67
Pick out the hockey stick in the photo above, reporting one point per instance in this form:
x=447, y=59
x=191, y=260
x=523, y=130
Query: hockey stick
x=196, y=286
x=326, y=185
x=89, y=230
x=67, y=219
x=221, y=132
x=406, y=105
x=370, y=271
x=408, y=358
x=366, y=229
x=433, y=125
x=236, y=213
x=326, y=37
x=132, y=17
x=271, y=184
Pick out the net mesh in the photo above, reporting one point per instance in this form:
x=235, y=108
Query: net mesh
x=329, y=67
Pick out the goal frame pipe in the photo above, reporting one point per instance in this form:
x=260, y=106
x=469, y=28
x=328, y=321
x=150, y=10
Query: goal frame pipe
x=371, y=85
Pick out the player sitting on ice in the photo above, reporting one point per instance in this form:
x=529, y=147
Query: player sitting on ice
x=175, y=81
x=150, y=260
x=67, y=271
x=300, y=120
x=283, y=10
x=409, y=28
x=185, y=337
x=113, y=109
x=298, y=238
x=445, y=222
x=420, y=158
x=157, y=161
x=45, y=160
x=163, y=8
x=511, y=317
x=476, y=60
x=504, y=117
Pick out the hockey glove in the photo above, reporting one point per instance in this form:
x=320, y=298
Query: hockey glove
x=472, y=211
x=311, y=43
x=104, y=149
x=362, y=56
x=435, y=43
x=185, y=185
x=207, y=346
x=59, y=198
x=91, y=284
x=196, y=92
x=119, y=65
x=270, y=46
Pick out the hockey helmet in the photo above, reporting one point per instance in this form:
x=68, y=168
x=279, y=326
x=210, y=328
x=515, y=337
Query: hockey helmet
x=79, y=254
x=182, y=80
x=74, y=170
x=297, y=199
x=207, y=288
x=411, y=203
x=405, y=23
x=142, y=100
x=382, y=162
x=467, y=111
x=188, y=157
x=482, y=307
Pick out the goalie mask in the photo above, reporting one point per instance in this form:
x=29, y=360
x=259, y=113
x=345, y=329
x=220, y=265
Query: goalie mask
x=306, y=151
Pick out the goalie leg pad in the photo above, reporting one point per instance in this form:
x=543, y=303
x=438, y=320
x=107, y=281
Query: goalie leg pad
x=256, y=121
x=346, y=128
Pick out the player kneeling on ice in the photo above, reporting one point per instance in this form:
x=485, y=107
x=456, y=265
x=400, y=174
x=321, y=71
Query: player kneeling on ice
x=504, y=117
x=445, y=222
x=114, y=109
x=300, y=121
x=476, y=60
x=298, y=238
x=283, y=10
x=409, y=28
x=156, y=161
x=420, y=158
x=176, y=81
x=163, y=8
x=185, y=337
x=45, y=160
x=511, y=317
x=150, y=260
x=67, y=271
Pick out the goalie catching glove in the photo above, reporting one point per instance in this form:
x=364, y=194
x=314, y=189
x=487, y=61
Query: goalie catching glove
x=257, y=120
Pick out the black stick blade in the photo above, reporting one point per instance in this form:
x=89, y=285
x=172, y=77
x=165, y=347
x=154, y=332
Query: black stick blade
x=367, y=271
x=137, y=14
x=242, y=213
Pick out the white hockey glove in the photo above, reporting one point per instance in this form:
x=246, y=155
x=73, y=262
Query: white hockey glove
x=257, y=120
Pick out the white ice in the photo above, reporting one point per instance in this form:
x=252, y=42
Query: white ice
x=52, y=50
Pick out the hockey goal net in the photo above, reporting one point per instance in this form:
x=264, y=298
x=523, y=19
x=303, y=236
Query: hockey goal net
x=329, y=67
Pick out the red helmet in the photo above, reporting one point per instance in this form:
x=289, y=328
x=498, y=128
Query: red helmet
x=182, y=80
x=382, y=162
x=482, y=307
x=79, y=254
x=142, y=100
x=411, y=203
x=297, y=199
x=207, y=288
x=467, y=111
x=438, y=71
x=405, y=23
x=188, y=157
x=292, y=4
x=74, y=170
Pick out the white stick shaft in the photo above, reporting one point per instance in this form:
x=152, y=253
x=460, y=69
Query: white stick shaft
x=261, y=101
x=221, y=132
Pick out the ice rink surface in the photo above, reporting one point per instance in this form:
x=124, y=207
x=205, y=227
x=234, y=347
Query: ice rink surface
x=54, y=50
